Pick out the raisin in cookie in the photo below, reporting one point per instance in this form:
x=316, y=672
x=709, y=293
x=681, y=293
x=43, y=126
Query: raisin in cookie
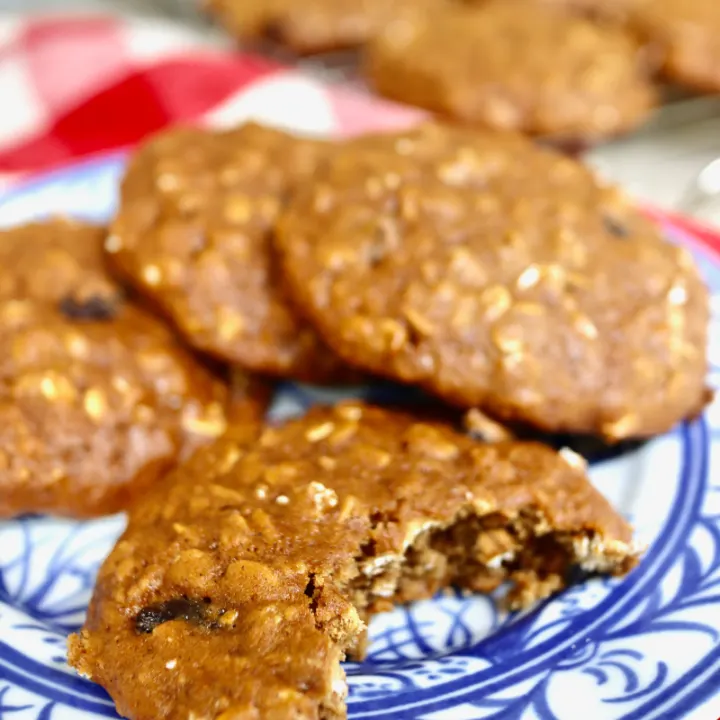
x=240, y=583
x=193, y=235
x=497, y=274
x=517, y=65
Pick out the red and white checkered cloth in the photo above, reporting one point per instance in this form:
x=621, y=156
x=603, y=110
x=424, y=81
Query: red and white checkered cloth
x=71, y=86
x=78, y=85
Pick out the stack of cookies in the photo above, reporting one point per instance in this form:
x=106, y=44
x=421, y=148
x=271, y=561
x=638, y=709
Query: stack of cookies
x=500, y=278
x=568, y=70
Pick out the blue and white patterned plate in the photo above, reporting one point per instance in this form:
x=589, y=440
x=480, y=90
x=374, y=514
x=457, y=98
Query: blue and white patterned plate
x=644, y=647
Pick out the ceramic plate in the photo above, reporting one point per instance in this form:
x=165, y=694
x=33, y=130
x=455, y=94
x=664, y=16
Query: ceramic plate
x=644, y=647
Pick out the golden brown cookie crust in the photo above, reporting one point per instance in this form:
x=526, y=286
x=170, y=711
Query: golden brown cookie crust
x=240, y=582
x=314, y=25
x=193, y=234
x=497, y=274
x=515, y=65
x=687, y=36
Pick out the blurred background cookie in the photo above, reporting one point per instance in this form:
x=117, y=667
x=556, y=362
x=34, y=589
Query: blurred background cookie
x=312, y=26
x=515, y=64
x=686, y=34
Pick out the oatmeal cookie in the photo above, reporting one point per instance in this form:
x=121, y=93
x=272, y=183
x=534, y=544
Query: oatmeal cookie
x=499, y=275
x=516, y=65
x=193, y=235
x=97, y=397
x=687, y=36
x=242, y=580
